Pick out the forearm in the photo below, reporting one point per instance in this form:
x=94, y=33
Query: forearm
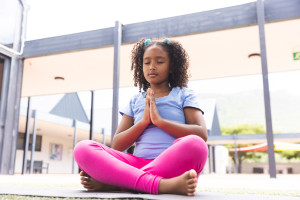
x=180, y=130
x=123, y=140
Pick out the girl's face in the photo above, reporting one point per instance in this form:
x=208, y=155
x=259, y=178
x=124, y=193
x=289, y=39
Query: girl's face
x=156, y=65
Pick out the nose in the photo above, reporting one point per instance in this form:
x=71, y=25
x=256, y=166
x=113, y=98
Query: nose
x=152, y=66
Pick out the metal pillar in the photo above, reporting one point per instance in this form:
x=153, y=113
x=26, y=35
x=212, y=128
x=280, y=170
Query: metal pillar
x=74, y=144
x=9, y=125
x=209, y=159
x=92, y=117
x=117, y=48
x=33, y=141
x=26, y=136
x=3, y=102
x=103, y=134
x=235, y=155
x=263, y=54
x=214, y=159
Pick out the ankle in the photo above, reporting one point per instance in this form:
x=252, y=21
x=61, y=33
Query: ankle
x=164, y=186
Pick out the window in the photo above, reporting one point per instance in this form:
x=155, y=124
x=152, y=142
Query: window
x=258, y=170
x=38, y=143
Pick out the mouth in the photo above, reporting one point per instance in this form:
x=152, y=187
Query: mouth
x=152, y=75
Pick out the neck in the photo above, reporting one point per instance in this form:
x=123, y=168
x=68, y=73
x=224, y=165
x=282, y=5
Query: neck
x=161, y=90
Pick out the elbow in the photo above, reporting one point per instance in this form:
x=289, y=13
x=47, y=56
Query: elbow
x=205, y=137
x=114, y=144
x=117, y=145
x=201, y=131
x=204, y=134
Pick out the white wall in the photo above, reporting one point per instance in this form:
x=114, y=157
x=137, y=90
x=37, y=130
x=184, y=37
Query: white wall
x=248, y=167
x=55, y=166
x=221, y=159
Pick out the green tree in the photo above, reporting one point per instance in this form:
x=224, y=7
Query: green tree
x=290, y=154
x=243, y=129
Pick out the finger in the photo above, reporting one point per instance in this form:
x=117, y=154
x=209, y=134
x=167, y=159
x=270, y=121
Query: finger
x=152, y=98
x=148, y=100
x=148, y=91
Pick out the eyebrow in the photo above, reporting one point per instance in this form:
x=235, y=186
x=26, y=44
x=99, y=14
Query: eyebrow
x=155, y=57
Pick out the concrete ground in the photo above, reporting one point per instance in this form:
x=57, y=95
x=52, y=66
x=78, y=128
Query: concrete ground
x=210, y=186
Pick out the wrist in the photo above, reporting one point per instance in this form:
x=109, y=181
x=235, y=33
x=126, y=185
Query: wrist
x=144, y=123
x=159, y=122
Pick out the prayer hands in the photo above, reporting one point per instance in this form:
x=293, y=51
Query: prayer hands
x=151, y=113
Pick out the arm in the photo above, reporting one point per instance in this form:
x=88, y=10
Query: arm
x=128, y=132
x=195, y=124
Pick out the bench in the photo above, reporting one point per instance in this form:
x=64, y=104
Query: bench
x=38, y=166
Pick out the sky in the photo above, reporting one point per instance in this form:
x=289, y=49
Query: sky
x=48, y=18
x=8, y=19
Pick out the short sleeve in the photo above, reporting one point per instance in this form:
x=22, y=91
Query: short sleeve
x=191, y=100
x=128, y=109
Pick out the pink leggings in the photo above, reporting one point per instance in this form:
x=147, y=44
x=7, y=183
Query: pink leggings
x=128, y=171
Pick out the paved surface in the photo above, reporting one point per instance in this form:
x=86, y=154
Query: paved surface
x=79, y=193
x=212, y=187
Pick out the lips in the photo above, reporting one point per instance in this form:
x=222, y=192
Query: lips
x=152, y=75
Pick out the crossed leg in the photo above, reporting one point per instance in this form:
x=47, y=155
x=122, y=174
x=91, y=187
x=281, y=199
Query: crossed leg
x=92, y=184
x=180, y=165
x=177, y=165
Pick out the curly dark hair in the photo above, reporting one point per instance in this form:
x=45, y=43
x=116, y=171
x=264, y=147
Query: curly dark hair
x=179, y=63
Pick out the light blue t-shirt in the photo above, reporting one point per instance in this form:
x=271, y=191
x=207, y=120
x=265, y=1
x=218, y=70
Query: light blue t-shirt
x=153, y=141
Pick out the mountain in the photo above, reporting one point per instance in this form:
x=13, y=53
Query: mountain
x=248, y=108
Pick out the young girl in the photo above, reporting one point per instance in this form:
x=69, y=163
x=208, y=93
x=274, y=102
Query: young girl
x=165, y=123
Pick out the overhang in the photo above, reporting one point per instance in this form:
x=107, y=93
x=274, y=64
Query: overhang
x=218, y=42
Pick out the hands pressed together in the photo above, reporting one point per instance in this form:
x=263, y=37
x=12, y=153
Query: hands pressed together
x=151, y=113
x=128, y=132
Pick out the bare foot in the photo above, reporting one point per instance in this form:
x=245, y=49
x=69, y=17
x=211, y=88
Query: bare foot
x=185, y=184
x=91, y=184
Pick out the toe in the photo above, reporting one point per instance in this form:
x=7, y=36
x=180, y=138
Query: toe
x=193, y=173
x=83, y=173
x=192, y=181
x=192, y=186
x=90, y=188
x=191, y=190
x=191, y=193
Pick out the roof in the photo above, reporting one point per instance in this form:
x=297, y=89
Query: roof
x=278, y=146
x=218, y=42
x=70, y=107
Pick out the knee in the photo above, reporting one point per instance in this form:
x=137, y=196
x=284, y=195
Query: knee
x=81, y=149
x=195, y=145
x=81, y=145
